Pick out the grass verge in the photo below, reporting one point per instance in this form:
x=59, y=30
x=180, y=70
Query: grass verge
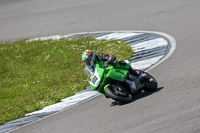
x=39, y=73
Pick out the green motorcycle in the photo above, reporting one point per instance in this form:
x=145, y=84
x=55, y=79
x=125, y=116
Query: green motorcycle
x=118, y=84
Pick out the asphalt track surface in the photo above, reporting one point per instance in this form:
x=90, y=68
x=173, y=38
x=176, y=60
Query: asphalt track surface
x=174, y=108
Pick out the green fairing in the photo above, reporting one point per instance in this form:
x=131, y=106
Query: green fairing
x=100, y=77
x=100, y=72
x=116, y=74
x=111, y=81
x=118, y=66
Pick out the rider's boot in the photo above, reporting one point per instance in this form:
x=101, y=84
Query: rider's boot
x=134, y=71
x=137, y=73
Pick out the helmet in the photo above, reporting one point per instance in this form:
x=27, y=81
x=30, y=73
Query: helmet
x=88, y=57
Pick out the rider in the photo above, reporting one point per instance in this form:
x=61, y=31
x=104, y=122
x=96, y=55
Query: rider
x=105, y=60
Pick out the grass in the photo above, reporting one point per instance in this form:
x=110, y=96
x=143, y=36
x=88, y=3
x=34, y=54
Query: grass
x=39, y=73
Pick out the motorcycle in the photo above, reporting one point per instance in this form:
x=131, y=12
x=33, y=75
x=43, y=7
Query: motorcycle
x=119, y=84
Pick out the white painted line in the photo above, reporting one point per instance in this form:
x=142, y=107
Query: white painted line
x=125, y=35
x=116, y=35
x=65, y=103
x=159, y=42
x=172, y=49
x=55, y=37
x=145, y=63
x=109, y=36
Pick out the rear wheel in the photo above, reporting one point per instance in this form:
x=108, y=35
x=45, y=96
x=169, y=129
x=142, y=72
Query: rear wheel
x=119, y=94
x=150, y=83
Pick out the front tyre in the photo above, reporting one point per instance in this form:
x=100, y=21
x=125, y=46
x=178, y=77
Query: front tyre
x=122, y=96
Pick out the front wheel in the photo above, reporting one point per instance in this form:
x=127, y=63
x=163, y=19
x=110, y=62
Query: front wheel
x=150, y=83
x=120, y=95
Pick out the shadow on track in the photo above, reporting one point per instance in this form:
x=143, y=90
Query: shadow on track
x=135, y=98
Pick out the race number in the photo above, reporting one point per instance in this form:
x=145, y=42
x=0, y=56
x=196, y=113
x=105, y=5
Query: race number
x=94, y=79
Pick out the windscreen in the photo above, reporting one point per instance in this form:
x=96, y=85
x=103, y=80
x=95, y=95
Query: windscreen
x=89, y=70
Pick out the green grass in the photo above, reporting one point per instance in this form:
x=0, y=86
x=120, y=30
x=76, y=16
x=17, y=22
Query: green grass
x=39, y=73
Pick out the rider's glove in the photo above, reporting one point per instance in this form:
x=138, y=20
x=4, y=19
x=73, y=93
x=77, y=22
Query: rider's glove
x=105, y=66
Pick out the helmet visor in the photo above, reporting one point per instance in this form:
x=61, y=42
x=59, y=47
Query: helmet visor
x=90, y=60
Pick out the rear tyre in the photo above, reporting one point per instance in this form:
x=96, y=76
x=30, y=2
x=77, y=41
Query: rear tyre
x=124, y=96
x=150, y=83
